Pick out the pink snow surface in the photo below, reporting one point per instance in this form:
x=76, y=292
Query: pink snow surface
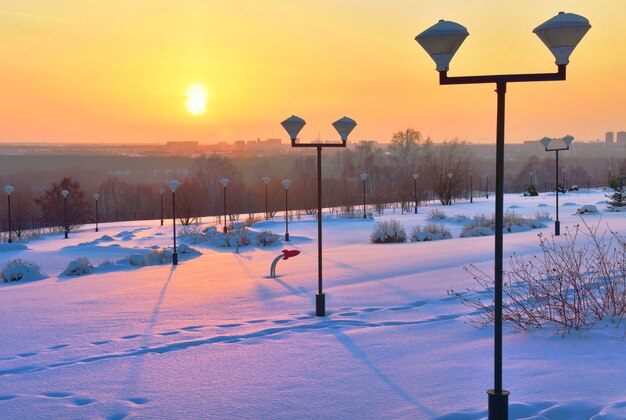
x=214, y=337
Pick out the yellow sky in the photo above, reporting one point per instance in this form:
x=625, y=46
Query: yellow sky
x=118, y=70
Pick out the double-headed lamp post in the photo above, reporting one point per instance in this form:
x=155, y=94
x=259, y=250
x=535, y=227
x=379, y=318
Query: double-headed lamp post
x=266, y=180
x=560, y=34
x=9, y=190
x=65, y=193
x=344, y=126
x=173, y=186
x=552, y=145
x=286, y=183
x=415, y=177
x=363, y=177
x=161, y=191
x=225, y=181
x=96, y=197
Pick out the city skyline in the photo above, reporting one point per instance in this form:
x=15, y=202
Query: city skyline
x=158, y=71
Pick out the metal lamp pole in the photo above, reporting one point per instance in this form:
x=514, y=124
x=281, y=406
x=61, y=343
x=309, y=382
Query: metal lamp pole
x=224, y=182
x=286, y=183
x=471, y=188
x=9, y=189
x=173, y=185
x=448, y=189
x=487, y=188
x=344, y=126
x=363, y=178
x=560, y=34
x=415, y=177
x=266, y=180
x=161, y=191
x=64, y=193
x=96, y=196
x=566, y=142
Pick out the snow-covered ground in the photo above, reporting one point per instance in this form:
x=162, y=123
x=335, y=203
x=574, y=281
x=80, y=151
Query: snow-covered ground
x=214, y=337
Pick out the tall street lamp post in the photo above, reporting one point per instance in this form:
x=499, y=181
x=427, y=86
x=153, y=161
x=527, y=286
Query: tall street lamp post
x=161, y=191
x=224, y=181
x=609, y=177
x=471, y=187
x=286, y=183
x=266, y=180
x=344, y=126
x=96, y=197
x=9, y=190
x=173, y=185
x=560, y=34
x=565, y=142
x=65, y=193
x=530, y=177
x=363, y=178
x=415, y=177
x=487, y=187
x=449, y=191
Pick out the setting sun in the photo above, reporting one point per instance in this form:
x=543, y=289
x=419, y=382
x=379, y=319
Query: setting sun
x=197, y=96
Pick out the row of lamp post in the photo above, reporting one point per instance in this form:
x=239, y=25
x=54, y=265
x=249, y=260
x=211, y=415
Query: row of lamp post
x=560, y=34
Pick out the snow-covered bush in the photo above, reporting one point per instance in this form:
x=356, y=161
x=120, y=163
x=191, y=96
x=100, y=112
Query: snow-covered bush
x=185, y=249
x=189, y=230
x=137, y=260
x=266, y=238
x=576, y=283
x=252, y=219
x=17, y=269
x=80, y=266
x=588, y=208
x=159, y=256
x=480, y=225
x=388, y=230
x=483, y=225
x=531, y=191
x=429, y=232
x=617, y=200
x=436, y=214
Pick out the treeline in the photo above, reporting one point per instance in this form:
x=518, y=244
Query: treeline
x=445, y=172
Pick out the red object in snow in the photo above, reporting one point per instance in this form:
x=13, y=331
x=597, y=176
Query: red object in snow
x=289, y=254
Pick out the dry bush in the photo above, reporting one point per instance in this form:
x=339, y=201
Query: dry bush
x=436, y=214
x=387, y=231
x=430, y=232
x=577, y=283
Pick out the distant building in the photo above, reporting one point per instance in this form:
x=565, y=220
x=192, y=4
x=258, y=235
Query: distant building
x=608, y=137
x=621, y=137
x=182, y=144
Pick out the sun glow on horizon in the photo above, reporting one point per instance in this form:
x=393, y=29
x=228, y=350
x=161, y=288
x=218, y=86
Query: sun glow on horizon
x=197, y=96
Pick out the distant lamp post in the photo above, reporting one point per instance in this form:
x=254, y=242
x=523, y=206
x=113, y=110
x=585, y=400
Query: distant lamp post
x=560, y=34
x=65, y=193
x=9, y=190
x=96, y=197
x=609, y=176
x=344, y=126
x=266, y=180
x=161, y=191
x=363, y=177
x=415, y=177
x=471, y=187
x=286, y=183
x=565, y=143
x=448, y=189
x=224, y=181
x=173, y=185
x=530, y=177
x=487, y=187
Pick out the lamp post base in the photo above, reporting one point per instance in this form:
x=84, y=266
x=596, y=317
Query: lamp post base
x=498, y=404
x=174, y=258
x=225, y=229
x=10, y=241
x=66, y=234
x=96, y=229
x=557, y=228
x=320, y=304
x=287, y=237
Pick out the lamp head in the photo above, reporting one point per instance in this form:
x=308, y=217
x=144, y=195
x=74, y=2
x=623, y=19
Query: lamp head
x=449, y=175
x=96, y=196
x=415, y=176
x=224, y=181
x=344, y=127
x=9, y=189
x=293, y=125
x=441, y=41
x=266, y=179
x=64, y=193
x=545, y=142
x=363, y=176
x=568, y=140
x=286, y=183
x=173, y=185
x=161, y=191
x=562, y=33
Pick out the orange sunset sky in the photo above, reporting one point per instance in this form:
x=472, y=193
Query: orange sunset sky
x=119, y=70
